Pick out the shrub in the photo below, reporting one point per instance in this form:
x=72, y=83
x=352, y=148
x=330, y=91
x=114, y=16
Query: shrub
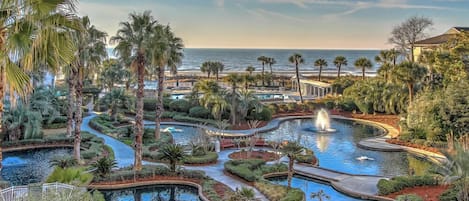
x=103, y=166
x=210, y=157
x=200, y=112
x=245, y=168
x=194, y=120
x=274, y=108
x=396, y=184
x=76, y=176
x=409, y=197
x=264, y=115
x=279, y=193
x=294, y=195
x=291, y=107
x=308, y=158
x=450, y=194
x=180, y=105
x=149, y=104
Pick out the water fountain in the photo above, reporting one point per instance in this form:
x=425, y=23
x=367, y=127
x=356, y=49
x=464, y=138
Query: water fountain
x=323, y=123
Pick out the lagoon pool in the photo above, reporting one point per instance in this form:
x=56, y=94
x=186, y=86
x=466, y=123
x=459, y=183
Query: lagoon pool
x=154, y=192
x=181, y=134
x=338, y=151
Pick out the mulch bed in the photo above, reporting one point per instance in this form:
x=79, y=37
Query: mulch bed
x=266, y=156
x=428, y=193
x=409, y=144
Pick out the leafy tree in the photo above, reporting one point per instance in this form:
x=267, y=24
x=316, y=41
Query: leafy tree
x=103, y=166
x=320, y=63
x=291, y=150
x=134, y=39
x=115, y=99
x=339, y=61
x=297, y=59
x=363, y=64
x=408, y=32
x=410, y=74
x=174, y=153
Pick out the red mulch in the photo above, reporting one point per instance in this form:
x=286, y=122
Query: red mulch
x=428, y=193
x=266, y=156
x=417, y=146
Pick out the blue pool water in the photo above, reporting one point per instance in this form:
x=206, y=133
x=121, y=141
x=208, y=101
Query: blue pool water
x=155, y=192
x=338, y=151
x=270, y=96
x=309, y=186
x=181, y=134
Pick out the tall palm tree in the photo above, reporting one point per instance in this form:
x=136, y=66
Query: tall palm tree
x=233, y=79
x=133, y=39
x=206, y=68
x=91, y=50
x=263, y=60
x=250, y=69
x=271, y=61
x=216, y=68
x=247, y=78
x=297, y=59
x=291, y=150
x=363, y=63
x=340, y=61
x=213, y=97
x=32, y=33
x=386, y=59
x=320, y=63
x=166, y=52
x=409, y=73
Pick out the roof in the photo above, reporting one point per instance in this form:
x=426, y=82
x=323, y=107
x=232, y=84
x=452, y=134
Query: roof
x=461, y=28
x=437, y=40
x=316, y=83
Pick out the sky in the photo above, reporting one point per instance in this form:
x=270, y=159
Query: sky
x=283, y=24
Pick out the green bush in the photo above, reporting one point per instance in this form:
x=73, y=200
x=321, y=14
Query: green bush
x=180, y=105
x=294, y=195
x=76, y=176
x=245, y=168
x=275, y=192
x=194, y=120
x=450, y=194
x=149, y=104
x=274, y=108
x=200, y=112
x=308, y=158
x=210, y=157
x=347, y=105
x=396, y=184
x=409, y=197
x=291, y=107
x=264, y=115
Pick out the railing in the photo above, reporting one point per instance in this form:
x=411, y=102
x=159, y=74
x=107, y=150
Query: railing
x=15, y=193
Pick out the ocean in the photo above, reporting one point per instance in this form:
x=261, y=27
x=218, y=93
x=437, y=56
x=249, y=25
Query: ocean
x=239, y=59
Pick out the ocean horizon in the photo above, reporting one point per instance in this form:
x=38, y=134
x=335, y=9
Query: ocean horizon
x=237, y=59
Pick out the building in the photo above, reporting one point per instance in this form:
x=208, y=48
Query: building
x=435, y=42
x=311, y=88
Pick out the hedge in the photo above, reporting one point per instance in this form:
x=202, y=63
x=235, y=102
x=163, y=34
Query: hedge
x=180, y=105
x=244, y=168
x=396, y=184
x=210, y=157
x=200, y=112
x=409, y=197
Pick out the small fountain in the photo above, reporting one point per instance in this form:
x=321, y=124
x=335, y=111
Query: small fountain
x=323, y=123
x=13, y=161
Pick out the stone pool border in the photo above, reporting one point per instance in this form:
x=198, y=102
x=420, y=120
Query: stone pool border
x=149, y=183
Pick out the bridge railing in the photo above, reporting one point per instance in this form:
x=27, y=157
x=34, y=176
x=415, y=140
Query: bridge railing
x=15, y=193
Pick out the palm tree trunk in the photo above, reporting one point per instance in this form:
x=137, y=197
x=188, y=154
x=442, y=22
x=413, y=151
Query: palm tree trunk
x=78, y=113
x=320, y=71
x=290, y=171
x=139, y=111
x=233, y=104
x=270, y=66
x=363, y=71
x=2, y=96
x=411, y=92
x=71, y=101
x=298, y=80
x=338, y=71
x=263, y=84
x=159, y=102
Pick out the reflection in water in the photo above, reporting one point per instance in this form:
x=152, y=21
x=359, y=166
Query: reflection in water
x=154, y=193
x=338, y=151
x=322, y=142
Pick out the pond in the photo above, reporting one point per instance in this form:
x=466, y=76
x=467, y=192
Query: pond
x=181, y=134
x=154, y=192
x=31, y=166
x=338, y=150
x=309, y=186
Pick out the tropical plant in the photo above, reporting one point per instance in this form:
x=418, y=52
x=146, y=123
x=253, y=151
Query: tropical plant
x=206, y=68
x=63, y=162
x=320, y=63
x=340, y=61
x=174, y=153
x=115, y=99
x=263, y=60
x=134, y=43
x=456, y=170
x=410, y=74
x=166, y=52
x=233, y=79
x=247, y=101
x=75, y=176
x=297, y=59
x=243, y=194
x=213, y=97
x=320, y=195
x=103, y=166
x=113, y=72
x=250, y=69
x=291, y=150
x=22, y=123
x=247, y=78
x=32, y=34
x=363, y=63
x=76, y=194
x=216, y=68
x=271, y=61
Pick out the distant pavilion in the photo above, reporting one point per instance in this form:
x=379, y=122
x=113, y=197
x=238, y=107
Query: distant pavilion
x=311, y=88
x=433, y=43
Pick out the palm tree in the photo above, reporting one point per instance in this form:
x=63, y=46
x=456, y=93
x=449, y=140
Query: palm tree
x=174, y=153
x=63, y=162
x=167, y=51
x=22, y=123
x=386, y=59
x=103, y=166
x=247, y=101
x=116, y=99
x=271, y=61
x=213, y=97
x=206, y=68
x=363, y=63
x=113, y=72
x=263, y=60
x=233, y=79
x=91, y=51
x=247, y=78
x=31, y=33
x=320, y=195
x=250, y=69
x=338, y=62
x=133, y=39
x=409, y=73
x=291, y=150
x=217, y=67
x=243, y=194
x=297, y=59
x=320, y=63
